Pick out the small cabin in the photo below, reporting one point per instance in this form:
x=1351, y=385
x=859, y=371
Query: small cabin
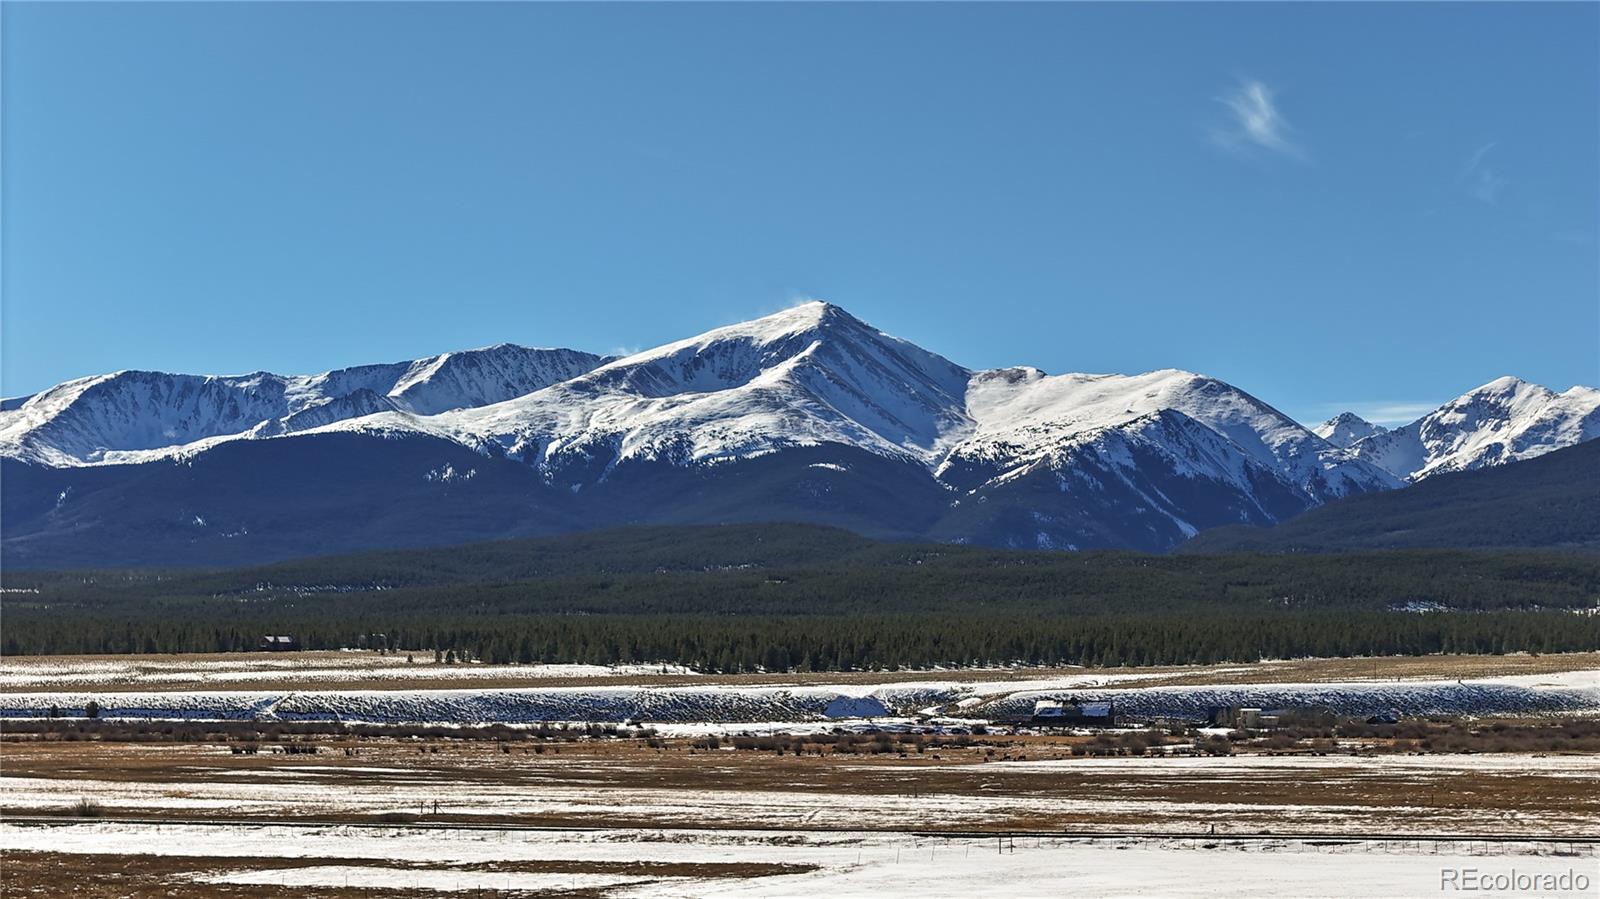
x=279, y=643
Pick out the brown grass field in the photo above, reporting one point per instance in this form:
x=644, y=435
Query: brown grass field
x=1000, y=783
x=1317, y=787
x=372, y=671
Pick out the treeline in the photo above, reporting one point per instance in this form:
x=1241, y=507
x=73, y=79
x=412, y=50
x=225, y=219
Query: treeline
x=891, y=579
x=828, y=570
x=817, y=643
x=794, y=597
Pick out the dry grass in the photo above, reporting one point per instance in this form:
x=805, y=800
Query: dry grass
x=888, y=791
x=365, y=672
x=1387, y=668
x=105, y=876
x=955, y=788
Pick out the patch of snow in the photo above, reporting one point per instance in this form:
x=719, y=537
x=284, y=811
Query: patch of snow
x=1572, y=692
x=843, y=863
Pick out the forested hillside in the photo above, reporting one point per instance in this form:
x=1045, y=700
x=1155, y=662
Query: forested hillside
x=1552, y=501
x=780, y=597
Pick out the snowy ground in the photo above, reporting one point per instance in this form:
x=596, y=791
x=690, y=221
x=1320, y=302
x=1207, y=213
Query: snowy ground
x=831, y=820
x=844, y=864
x=631, y=786
x=1557, y=693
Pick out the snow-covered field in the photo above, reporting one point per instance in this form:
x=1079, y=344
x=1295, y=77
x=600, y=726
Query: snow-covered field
x=1564, y=693
x=1240, y=794
x=825, y=864
x=838, y=825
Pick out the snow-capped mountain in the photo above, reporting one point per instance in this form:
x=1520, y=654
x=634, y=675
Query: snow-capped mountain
x=1505, y=420
x=1022, y=414
x=1346, y=428
x=808, y=414
x=133, y=416
x=814, y=375
x=807, y=376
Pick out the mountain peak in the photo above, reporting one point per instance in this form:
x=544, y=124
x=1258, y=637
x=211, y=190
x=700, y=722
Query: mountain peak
x=1505, y=385
x=1505, y=420
x=133, y=415
x=812, y=315
x=1506, y=396
x=807, y=375
x=1347, y=428
x=813, y=309
x=737, y=421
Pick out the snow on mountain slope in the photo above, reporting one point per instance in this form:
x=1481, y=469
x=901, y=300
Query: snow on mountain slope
x=734, y=423
x=1022, y=414
x=139, y=415
x=1346, y=428
x=481, y=377
x=78, y=422
x=1505, y=420
x=355, y=404
x=809, y=375
x=1187, y=448
x=1161, y=477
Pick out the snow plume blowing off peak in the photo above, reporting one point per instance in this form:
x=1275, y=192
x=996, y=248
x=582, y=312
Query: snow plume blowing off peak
x=807, y=414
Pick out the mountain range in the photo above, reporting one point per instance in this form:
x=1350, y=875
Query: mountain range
x=809, y=415
x=1552, y=502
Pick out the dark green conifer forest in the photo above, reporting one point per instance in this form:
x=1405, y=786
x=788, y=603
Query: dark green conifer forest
x=790, y=597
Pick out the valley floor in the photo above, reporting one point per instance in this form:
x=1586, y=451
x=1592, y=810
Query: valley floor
x=990, y=784
x=117, y=859
x=867, y=807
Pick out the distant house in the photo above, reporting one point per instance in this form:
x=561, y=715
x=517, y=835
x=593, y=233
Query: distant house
x=1248, y=718
x=1071, y=711
x=279, y=643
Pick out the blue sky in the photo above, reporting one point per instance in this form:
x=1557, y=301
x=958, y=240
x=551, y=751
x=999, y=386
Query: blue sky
x=1330, y=205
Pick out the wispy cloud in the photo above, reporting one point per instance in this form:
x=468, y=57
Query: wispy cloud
x=1479, y=179
x=1388, y=413
x=1255, y=122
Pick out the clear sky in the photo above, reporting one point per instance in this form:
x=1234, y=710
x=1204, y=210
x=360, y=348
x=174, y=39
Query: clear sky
x=1373, y=206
